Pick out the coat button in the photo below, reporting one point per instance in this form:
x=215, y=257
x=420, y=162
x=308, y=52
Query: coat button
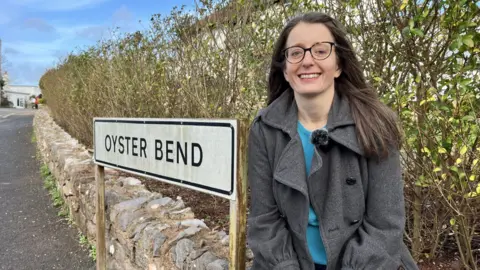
x=351, y=181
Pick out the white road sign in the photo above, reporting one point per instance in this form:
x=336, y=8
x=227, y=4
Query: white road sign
x=194, y=153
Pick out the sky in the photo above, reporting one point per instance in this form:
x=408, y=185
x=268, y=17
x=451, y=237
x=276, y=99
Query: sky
x=37, y=33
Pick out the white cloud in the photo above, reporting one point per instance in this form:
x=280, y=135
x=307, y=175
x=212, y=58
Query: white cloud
x=30, y=59
x=11, y=51
x=57, y=5
x=93, y=33
x=33, y=49
x=122, y=14
x=39, y=25
x=26, y=73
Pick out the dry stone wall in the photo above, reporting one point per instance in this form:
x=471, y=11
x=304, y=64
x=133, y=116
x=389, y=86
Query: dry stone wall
x=144, y=230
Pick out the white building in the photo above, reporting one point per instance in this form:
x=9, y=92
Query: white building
x=19, y=95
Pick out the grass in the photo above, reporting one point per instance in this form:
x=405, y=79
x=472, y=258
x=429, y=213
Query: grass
x=44, y=171
x=92, y=249
x=33, y=139
x=49, y=184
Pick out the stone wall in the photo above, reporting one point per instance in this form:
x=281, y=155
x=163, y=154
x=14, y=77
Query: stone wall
x=144, y=230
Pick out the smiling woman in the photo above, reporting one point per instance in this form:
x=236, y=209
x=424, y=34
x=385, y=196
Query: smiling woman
x=324, y=167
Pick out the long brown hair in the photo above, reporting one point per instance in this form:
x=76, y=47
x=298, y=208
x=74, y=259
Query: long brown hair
x=376, y=124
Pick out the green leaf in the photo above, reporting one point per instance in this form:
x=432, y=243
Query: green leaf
x=438, y=169
x=463, y=150
x=411, y=23
x=418, y=78
x=452, y=221
x=468, y=118
x=457, y=43
x=472, y=194
x=445, y=108
x=442, y=150
x=454, y=169
x=417, y=32
x=467, y=40
x=465, y=82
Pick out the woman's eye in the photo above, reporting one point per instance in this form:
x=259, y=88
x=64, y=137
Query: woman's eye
x=296, y=53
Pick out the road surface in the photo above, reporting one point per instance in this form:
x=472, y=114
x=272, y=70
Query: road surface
x=32, y=236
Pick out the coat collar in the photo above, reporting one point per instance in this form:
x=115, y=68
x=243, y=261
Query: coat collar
x=283, y=114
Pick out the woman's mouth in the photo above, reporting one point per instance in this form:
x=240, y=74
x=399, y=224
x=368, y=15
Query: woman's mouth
x=309, y=76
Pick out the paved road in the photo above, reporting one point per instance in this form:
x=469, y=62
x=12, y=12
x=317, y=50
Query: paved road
x=32, y=236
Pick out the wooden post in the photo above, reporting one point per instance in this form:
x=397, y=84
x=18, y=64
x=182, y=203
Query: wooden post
x=101, y=250
x=238, y=208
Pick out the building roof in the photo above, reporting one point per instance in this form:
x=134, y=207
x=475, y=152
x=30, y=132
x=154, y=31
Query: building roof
x=22, y=89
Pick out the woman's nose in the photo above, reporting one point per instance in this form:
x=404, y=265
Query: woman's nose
x=308, y=59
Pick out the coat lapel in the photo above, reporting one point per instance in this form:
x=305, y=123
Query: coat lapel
x=290, y=169
x=341, y=126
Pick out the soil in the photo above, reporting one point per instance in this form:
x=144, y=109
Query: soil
x=442, y=263
x=213, y=210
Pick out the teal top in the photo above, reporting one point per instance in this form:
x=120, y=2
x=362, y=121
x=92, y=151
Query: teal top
x=314, y=239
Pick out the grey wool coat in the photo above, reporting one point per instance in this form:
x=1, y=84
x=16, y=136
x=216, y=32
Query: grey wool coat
x=358, y=201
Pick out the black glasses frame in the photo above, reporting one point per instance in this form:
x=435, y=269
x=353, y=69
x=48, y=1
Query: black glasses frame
x=310, y=50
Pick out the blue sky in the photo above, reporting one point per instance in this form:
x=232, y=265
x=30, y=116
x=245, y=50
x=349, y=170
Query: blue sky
x=37, y=33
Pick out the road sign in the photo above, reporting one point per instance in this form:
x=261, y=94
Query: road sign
x=207, y=155
x=197, y=154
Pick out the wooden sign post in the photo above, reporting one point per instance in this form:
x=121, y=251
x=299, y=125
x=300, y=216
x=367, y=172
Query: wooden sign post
x=238, y=207
x=100, y=207
x=204, y=155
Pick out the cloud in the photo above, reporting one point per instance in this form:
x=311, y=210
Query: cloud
x=57, y=5
x=11, y=51
x=32, y=49
x=39, y=25
x=60, y=54
x=122, y=14
x=26, y=73
x=95, y=32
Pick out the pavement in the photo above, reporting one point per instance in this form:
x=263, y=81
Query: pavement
x=32, y=235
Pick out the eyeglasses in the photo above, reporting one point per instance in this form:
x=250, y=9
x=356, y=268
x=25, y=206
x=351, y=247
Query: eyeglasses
x=319, y=51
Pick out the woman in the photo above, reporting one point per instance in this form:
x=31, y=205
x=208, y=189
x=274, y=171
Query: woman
x=324, y=167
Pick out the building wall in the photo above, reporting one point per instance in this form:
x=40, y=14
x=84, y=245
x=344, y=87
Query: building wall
x=18, y=100
x=19, y=95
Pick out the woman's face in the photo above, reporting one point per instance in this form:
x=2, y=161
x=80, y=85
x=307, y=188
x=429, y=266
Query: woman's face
x=311, y=76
